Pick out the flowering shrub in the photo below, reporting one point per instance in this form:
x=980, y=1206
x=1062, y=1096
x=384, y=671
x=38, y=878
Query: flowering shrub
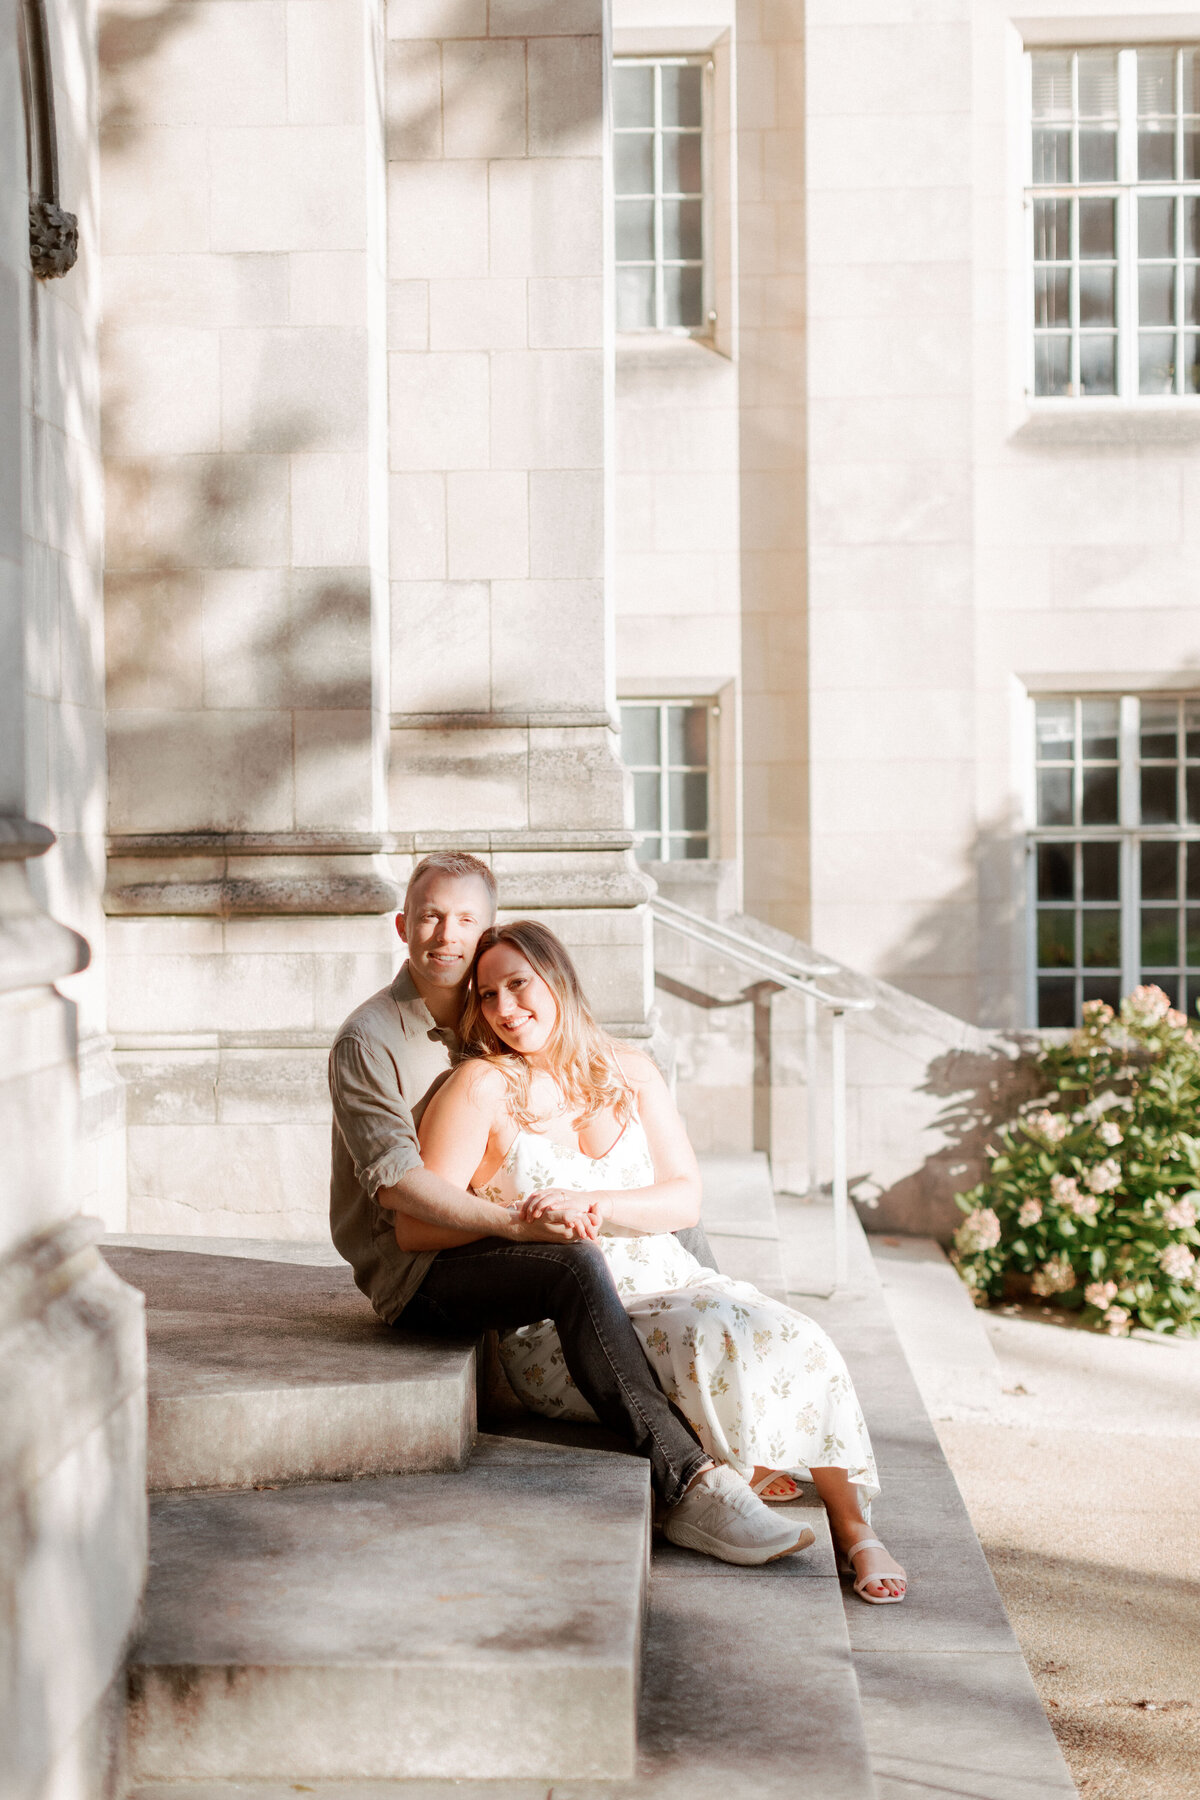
x=1093, y=1190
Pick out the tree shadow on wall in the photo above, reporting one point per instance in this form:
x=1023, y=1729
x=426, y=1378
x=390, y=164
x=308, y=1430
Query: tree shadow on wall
x=239, y=675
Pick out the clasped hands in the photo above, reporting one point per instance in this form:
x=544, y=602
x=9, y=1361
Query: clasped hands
x=566, y=1217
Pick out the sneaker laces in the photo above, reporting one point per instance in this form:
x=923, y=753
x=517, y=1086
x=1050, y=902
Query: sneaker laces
x=725, y=1486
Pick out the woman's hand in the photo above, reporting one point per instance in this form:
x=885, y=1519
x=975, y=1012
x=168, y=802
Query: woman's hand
x=586, y=1212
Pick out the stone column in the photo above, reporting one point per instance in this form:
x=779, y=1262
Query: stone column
x=245, y=392
x=72, y=1359
x=290, y=425
x=500, y=347
x=774, y=499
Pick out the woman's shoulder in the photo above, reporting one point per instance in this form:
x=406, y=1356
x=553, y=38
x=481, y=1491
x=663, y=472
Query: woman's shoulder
x=476, y=1082
x=639, y=1070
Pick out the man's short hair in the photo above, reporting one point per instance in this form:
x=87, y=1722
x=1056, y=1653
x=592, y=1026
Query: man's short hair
x=457, y=864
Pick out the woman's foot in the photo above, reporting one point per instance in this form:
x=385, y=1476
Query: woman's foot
x=878, y=1577
x=773, y=1485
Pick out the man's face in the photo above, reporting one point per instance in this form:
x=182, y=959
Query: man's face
x=442, y=923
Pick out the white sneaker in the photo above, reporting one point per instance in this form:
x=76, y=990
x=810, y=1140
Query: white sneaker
x=721, y=1516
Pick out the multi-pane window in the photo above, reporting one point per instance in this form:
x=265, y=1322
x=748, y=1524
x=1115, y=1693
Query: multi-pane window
x=1115, y=216
x=1116, y=850
x=658, y=179
x=665, y=744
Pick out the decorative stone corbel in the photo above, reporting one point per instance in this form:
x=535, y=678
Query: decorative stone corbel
x=35, y=950
x=53, y=232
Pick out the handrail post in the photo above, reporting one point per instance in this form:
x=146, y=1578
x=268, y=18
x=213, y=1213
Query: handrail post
x=841, y=1198
x=812, y=1051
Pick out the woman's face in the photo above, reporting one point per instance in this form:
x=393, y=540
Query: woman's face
x=517, y=1004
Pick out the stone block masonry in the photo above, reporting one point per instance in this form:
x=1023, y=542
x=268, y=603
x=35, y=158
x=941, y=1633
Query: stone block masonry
x=357, y=421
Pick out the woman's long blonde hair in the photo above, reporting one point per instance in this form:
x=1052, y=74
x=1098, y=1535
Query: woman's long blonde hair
x=581, y=1055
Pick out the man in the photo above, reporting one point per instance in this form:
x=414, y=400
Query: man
x=499, y=1271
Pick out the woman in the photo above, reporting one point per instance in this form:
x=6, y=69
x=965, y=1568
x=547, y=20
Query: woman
x=546, y=1114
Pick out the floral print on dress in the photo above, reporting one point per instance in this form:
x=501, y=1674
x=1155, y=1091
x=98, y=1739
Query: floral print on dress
x=760, y=1384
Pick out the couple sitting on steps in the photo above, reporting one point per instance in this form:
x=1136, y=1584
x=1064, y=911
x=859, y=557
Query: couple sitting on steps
x=499, y=1163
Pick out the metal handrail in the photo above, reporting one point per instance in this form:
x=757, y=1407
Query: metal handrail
x=738, y=939
x=739, y=948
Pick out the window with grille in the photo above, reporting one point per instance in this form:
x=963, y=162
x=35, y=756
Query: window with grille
x=658, y=180
x=666, y=745
x=1115, y=853
x=1114, y=203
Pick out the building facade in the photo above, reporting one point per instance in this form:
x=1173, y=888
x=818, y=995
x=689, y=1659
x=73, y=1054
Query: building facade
x=748, y=446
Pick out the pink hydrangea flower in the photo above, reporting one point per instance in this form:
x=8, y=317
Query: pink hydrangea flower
x=980, y=1230
x=1177, y=1261
x=1065, y=1190
x=1148, y=1004
x=1109, y=1132
x=1051, y=1127
x=1104, y=1176
x=1054, y=1277
x=1100, y=1293
x=1117, y=1320
x=1181, y=1214
x=1030, y=1213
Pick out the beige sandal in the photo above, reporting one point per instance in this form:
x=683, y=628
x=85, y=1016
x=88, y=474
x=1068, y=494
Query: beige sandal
x=773, y=1475
x=846, y=1566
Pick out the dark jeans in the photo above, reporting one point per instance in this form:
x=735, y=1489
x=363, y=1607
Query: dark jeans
x=495, y=1285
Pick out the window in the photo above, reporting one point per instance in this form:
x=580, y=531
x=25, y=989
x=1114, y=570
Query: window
x=1115, y=216
x=658, y=165
x=1115, y=863
x=665, y=744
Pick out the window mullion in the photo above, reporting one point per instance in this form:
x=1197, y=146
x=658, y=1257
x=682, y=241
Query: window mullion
x=659, y=290
x=1129, y=813
x=664, y=786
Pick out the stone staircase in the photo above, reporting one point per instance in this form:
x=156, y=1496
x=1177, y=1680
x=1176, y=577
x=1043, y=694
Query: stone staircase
x=346, y=1582
x=419, y=1611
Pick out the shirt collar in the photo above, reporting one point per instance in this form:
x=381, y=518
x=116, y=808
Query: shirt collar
x=415, y=1015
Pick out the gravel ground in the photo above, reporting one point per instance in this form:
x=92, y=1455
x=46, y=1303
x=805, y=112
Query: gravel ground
x=1084, y=1488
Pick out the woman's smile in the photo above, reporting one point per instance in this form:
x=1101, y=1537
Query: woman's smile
x=514, y=999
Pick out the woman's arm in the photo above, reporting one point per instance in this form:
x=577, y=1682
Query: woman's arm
x=674, y=1199
x=455, y=1133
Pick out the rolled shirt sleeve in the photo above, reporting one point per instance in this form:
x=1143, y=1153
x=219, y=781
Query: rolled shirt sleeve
x=375, y=1120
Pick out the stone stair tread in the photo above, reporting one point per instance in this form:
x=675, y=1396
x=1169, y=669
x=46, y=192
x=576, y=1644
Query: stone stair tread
x=486, y=1622
x=740, y=1218
x=738, y=1195
x=264, y=1371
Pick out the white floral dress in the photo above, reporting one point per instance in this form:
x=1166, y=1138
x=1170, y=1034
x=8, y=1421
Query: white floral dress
x=760, y=1384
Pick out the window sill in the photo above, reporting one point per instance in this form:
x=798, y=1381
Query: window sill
x=664, y=349
x=1108, y=422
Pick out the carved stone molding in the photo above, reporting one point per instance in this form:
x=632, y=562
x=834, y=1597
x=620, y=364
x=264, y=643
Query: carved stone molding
x=215, y=874
x=53, y=239
x=53, y=232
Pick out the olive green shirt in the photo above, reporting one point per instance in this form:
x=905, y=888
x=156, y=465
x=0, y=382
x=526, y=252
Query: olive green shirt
x=386, y=1062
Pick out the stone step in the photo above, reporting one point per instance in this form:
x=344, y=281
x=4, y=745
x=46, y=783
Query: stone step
x=748, y=1689
x=263, y=1369
x=485, y=1623
x=739, y=1216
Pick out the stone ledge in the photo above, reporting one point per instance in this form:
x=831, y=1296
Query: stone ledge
x=268, y=1371
x=452, y=1626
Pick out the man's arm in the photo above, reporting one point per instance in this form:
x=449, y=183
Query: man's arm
x=376, y=1123
x=433, y=1214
